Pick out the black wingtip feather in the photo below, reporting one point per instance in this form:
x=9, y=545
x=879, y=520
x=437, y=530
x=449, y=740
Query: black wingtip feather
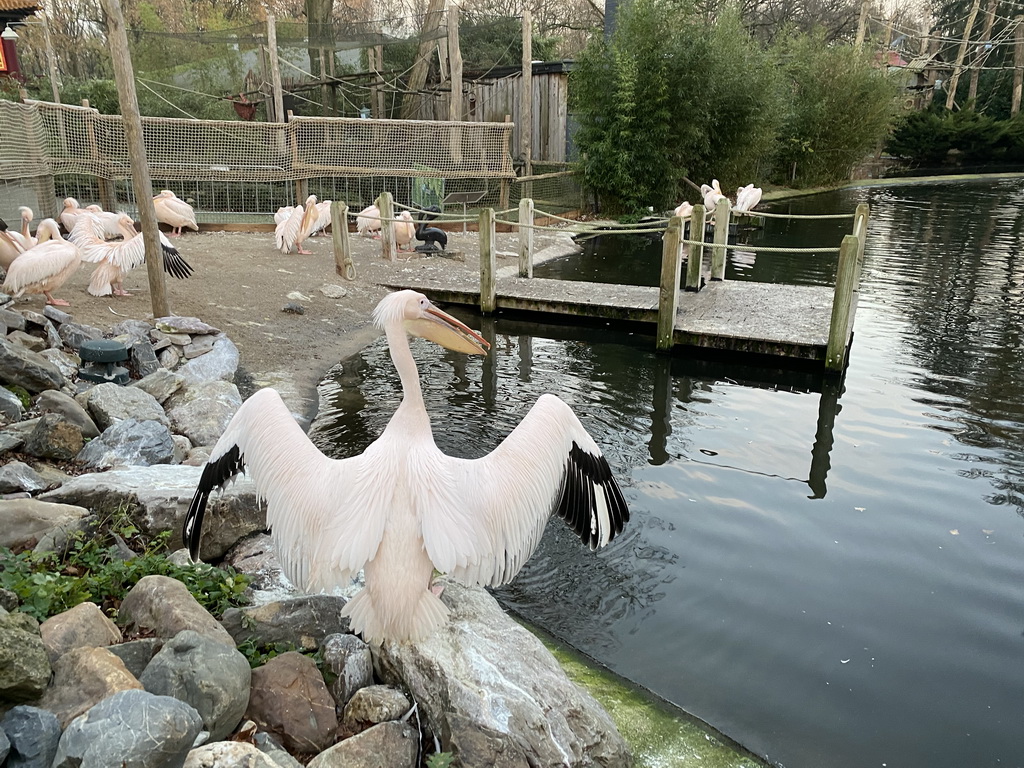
x=584, y=474
x=215, y=475
x=174, y=264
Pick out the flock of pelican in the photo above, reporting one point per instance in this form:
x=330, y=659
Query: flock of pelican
x=294, y=224
x=746, y=198
x=41, y=264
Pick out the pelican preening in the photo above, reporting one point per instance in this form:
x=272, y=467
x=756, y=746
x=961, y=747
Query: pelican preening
x=45, y=267
x=70, y=214
x=405, y=231
x=296, y=226
x=747, y=197
x=684, y=209
x=115, y=259
x=11, y=246
x=174, y=212
x=403, y=508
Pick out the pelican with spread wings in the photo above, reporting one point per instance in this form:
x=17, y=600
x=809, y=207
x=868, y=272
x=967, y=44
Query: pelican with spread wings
x=402, y=508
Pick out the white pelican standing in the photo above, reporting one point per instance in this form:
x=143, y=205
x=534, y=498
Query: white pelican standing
x=69, y=215
x=403, y=508
x=114, y=259
x=300, y=224
x=174, y=212
x=26, y=220
x=45, y=267
x=11, y=246
x=747, y=197
x=684, y=209
x=368, y=221
x=711, y=195
x=323, y=218
x=405, y=231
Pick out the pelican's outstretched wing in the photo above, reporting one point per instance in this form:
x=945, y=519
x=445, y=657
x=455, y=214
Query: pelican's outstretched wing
x=286, y=233
x=323, y=216
x=283, y=213
x=493, y=516
x=307, y=494
x=128, y=254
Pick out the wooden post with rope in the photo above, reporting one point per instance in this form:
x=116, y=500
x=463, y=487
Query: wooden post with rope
x=695, y=255
x=842, y=305
x=1018, y=64
x=526, y=237
x=343, y=264
x=386, y=206
x=723, y=209
x=488, y=263
x=124, y=76
x=668, y=292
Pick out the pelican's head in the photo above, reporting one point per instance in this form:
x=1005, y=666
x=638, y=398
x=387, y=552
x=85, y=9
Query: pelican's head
x=405, y=216
x=311, y=200
x=414, y=313
x=165, y=193
x=26, y=213
x=127, y=225
x=94, y=208
x=48, y=230
x=70, y=202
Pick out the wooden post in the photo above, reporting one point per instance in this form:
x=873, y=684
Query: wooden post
x=862, y=23
x=301, y=185
x=526, y=96
x=860, y=231
x=141, y=181
x=695, y=255
x=421, y=64
x=275, y=70
x=51, y=58
x=1018, y=64
x=982, y=55
x=379, y=108
x=668, y=293
x=325, y=88
x=108, y=199
x=488, y=263
x=454, y=63
x=961, y=52
x=842, y=305
x=526, y=237
x=506, y=185
x=722, y=211
x=387, y=225
x=342, y=248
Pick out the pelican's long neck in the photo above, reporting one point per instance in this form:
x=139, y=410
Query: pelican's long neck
x=401, y=355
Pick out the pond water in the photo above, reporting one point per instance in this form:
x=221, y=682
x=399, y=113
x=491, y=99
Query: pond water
x=831, y=573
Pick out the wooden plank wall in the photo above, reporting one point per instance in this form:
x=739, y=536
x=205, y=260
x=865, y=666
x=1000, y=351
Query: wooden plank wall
x=491, y=100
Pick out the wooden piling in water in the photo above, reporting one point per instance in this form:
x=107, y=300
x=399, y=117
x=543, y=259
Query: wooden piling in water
x=343, y=264
x=722, y=211
x=668, y=294
x=488, y=263
x=847, y=274
x=526, y=237
x=386, y=206
x=695, y=255
x=860, y=229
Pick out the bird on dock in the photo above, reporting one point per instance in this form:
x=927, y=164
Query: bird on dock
x=115, y=259
x=368, y=221
x=405, y=231
x=747, y=197
x=402, y=508
x=293, y=230
x=433, y=238
x=45, y=267
x=711, y=195
x=174, y=212
x=684, y=209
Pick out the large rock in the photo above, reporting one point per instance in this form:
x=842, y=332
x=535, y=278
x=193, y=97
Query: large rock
x=68, y=365
x=157, y=499
x=136, y=654
x=34, y=734
x=373, y=705
x=481, y=656
x=55, y=401
x=73, y=334
x=131, y=729
x=392, y=744
x=83, y=626
x=289, y=699
x=302, y=622
x=27, y=369
x=5, y=746
x=161, y=384
x=16, y=476
x=350, y=661
x=129, y=443
x=207, y=674
x=166, y=607
x=10, y=406
x=202, y=410
x=83, y=677
x=54, y=438
x=109, y=403
x=28, y=520
x=229, y=754
x=219, y=363
x=24, y=666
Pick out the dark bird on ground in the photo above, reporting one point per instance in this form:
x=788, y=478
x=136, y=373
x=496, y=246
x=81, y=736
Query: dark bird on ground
x=434, y=238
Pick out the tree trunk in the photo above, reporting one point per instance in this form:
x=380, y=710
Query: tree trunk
x=418, y=76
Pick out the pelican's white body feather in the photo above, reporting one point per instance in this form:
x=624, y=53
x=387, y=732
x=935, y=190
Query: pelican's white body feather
x=174, y=212
x=402, y=508
x=46, y=266
x=405, y=230
x=292, y=230
x=747, y=197
x=368, y=221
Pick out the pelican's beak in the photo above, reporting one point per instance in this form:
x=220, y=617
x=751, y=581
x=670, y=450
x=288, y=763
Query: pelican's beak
x=441, y=328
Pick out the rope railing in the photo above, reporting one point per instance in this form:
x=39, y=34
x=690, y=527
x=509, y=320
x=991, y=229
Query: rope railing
x=764, y=215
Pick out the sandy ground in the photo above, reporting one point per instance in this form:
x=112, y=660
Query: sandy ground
x=242, y=283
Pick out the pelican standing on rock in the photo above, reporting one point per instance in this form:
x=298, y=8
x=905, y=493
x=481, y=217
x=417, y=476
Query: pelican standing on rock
x=402, y=508
x=45, y=267
x=174, y=212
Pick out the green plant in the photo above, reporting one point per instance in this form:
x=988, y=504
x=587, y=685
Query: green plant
x=440, y=760
x=90, y=569
x=21, y=393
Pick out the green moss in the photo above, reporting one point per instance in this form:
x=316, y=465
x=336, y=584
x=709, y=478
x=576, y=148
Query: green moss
x=659, y=735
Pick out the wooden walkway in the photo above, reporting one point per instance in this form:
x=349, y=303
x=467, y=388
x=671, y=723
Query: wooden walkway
x=733, y=316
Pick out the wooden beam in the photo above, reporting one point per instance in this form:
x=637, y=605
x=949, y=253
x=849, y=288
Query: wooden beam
x=842, y=305
x=343, y=264
x=981, y=55
x=722, y=211
x=1018, y=64
x=526, y=98
x=961, y=52
x=454, y=63
x=668, y=294
x=421, y=65
x=386, y=206
x=526, y=237
x=488, y=263
x=275, y=70
x=695, y=256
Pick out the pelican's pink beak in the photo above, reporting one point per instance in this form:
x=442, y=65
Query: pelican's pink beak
x=441, y=328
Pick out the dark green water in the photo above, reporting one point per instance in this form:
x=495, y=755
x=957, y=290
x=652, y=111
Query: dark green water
x=832, y=574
